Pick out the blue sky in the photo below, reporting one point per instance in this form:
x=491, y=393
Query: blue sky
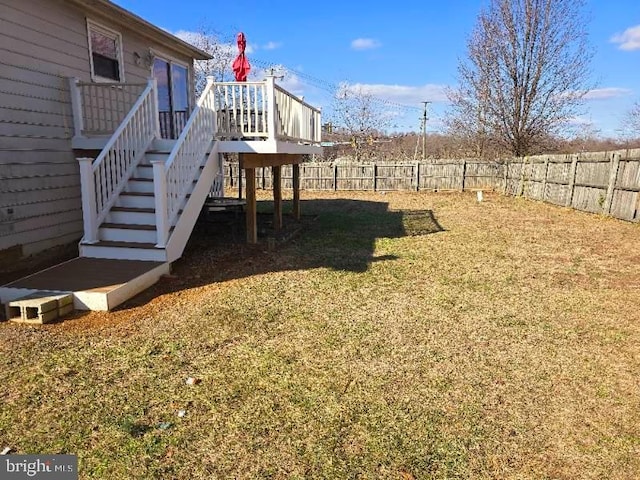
x=402, y=53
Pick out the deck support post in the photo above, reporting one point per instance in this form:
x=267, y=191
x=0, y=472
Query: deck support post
x=296, y=191
x=277, y=197
x=240, y=168
x=251, y=213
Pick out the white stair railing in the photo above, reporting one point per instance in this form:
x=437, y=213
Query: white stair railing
x=174, y=178
x=102, y=180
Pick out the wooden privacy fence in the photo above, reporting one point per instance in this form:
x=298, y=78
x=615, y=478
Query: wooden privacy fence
x=603, y=182
x=378, y=177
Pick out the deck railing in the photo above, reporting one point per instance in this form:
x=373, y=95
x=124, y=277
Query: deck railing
x=102, y=180
x=296, y=120
x=264, y=110
x=99, y=108
x=174, y=178
x=240, y=109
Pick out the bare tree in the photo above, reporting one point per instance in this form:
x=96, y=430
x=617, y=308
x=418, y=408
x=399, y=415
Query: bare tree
x=221, y=47
x=633, y=120
x=359, y=117
x=525, y=76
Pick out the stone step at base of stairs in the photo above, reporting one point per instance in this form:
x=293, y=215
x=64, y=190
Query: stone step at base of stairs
x=40, y=307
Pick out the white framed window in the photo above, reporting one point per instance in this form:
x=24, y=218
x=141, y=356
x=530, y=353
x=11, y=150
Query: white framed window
x=105, y=53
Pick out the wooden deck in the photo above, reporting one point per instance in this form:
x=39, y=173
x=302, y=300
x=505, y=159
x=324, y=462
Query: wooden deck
x=97, y=283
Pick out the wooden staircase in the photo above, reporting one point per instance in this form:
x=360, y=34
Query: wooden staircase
x=129, y=230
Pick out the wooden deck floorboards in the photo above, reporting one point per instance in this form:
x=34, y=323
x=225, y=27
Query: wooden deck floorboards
x=86, y=274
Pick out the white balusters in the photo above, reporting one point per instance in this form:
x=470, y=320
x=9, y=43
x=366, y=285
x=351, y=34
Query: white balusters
x=110, y=172
x=240, y=109
x=184, y=162
x=264, y=110
x=99, y=108
x=295, y=119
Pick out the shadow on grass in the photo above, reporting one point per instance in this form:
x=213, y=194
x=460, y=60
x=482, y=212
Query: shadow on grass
x=339, y=234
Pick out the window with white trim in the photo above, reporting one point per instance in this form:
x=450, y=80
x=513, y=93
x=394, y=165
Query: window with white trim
x=105, y=49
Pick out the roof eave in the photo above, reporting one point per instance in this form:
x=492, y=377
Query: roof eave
x=148, y=29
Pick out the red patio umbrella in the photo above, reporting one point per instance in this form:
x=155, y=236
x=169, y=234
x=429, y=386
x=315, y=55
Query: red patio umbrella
x=241, y=65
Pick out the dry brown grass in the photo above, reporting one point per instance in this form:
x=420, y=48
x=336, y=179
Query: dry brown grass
x=372, y=346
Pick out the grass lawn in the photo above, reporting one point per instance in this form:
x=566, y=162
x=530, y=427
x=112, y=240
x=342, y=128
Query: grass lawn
x=401, y=336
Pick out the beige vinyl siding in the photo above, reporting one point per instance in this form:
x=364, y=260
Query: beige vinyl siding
x=42, y=43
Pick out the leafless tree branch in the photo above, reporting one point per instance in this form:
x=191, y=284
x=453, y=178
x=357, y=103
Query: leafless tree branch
x=525, y=75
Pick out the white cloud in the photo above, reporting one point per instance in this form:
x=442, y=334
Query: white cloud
x=404, y=94
x=272, y=45
x=606, y=93
x=365, y=44
x=629, y=39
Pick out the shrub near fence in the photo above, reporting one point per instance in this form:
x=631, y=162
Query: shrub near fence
x=603, y=182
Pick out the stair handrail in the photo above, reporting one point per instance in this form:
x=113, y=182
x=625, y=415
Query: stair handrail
x=174, y=178
x=103, y=179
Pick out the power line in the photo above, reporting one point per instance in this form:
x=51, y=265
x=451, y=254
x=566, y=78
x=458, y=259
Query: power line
x=328, y=86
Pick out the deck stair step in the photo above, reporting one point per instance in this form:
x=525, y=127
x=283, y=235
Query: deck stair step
x=129, y=226
x=128, y=232
x=136, y=200
x=140, y=184
x=40, y=307
x=132, y=215
x=121, y=244
x=124, y=250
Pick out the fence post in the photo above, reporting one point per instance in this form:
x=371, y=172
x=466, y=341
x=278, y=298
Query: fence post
x=544, y=180
x=506, y=175
x=523, y=164
x=464, y=172
x=375, y=177
x=572, y=180
x=335, y=177
x=527, y=192
x=636, y=212
x=417, y=176
x=613, y=179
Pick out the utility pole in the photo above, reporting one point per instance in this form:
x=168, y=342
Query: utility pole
x=423, y=131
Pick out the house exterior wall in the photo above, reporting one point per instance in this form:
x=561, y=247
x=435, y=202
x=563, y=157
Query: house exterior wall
x=42, y=43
